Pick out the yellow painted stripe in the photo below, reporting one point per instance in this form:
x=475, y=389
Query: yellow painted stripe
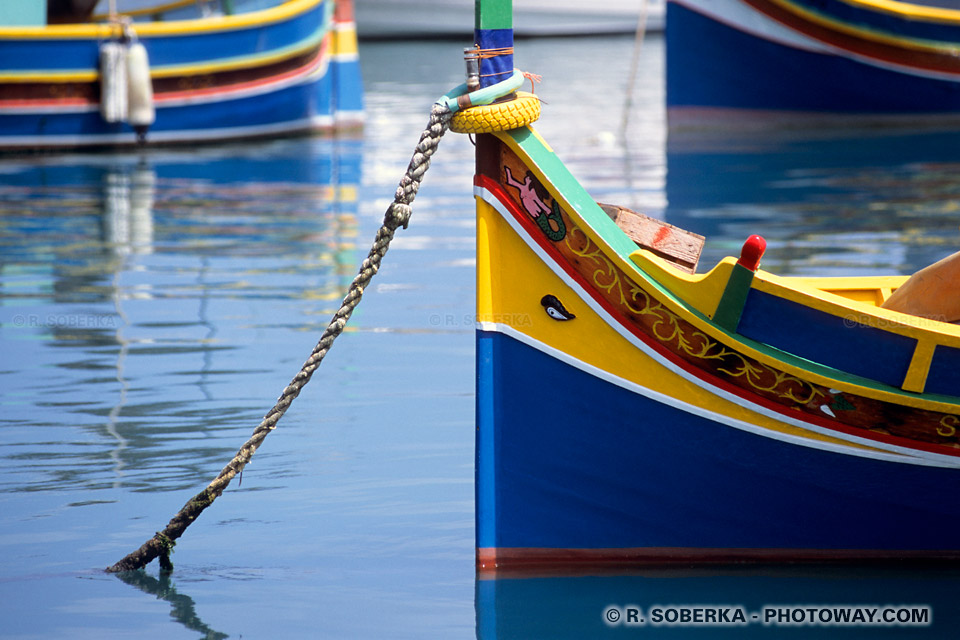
x=344, y=41
x=873, y=290
x=347, y=193
x=916, y=378
x=488, y=276
x=225, y=64
x=701, y=291
x=908, y=10
x=285, y=11
x=918, y=44
x=148, y=11
x=242, y=62
x=842, y=283
x=49, y=76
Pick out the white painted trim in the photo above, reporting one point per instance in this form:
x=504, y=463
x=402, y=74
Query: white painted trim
x=180, y=135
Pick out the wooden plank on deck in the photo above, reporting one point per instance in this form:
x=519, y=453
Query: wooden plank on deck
x=677, y=246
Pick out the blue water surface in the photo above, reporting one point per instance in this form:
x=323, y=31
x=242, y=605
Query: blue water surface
x=153, y=306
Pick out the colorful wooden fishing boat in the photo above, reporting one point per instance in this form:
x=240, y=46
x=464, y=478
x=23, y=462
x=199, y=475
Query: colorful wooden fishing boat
x=161, y=76
x=862, y=56
x=631, y=410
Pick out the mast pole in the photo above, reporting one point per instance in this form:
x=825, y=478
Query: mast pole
x=493, y=34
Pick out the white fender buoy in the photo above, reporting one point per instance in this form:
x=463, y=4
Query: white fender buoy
x=141, y=113
x=113, y=82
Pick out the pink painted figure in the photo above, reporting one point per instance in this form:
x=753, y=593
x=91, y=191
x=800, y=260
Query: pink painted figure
x=531, y=200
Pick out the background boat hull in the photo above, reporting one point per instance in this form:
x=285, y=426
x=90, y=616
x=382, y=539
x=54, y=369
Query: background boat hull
x=722, y=61
x=294, y=74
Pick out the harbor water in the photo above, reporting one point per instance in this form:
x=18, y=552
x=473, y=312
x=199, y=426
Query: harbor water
x=154, y=305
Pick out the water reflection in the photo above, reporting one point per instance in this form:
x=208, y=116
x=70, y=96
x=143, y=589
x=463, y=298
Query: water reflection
x=575, y=606
x=128, y=200
x=130, y=287
x=182, y=608
x=129, y=196
x=830, y=202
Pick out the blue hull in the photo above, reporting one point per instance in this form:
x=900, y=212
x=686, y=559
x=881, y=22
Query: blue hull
x=310, y=105
x=566, y=461
x=713, y=65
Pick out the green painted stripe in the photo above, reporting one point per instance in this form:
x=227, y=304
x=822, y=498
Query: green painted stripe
x=493, y=14
x=573, y=191
x=734, y=298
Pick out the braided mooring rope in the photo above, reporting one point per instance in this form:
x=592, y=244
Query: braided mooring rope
x=397, y=215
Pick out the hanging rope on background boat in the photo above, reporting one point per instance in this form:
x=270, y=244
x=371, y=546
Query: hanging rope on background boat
x=634, y=66
x=628, y=100
x=397, y=215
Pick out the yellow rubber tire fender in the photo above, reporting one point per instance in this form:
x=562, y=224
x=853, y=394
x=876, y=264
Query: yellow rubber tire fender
x=500, y=116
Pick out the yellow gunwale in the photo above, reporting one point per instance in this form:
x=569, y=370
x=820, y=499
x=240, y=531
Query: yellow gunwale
x=282, y=12
x=661, y=291
x=908, y=10
x=869, y=33
x=146, y=11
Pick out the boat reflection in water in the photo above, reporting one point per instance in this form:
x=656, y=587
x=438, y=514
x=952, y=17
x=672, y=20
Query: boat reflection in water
x=791, y=600
x=156, y=264
x=830, y=200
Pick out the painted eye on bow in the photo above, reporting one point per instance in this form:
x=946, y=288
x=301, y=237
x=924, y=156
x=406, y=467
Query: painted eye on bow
x=555, y=308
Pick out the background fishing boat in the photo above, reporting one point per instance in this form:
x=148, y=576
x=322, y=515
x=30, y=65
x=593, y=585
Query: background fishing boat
x=179, y=72
x=391, y=19
x=848, y=56
x=631, y=411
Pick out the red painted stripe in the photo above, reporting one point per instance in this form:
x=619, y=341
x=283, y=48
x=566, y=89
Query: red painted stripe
x=56, y=102
x=944, y=62
x=305, y=70
x=540, y=562
x=343, y=11
x=534, y=232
